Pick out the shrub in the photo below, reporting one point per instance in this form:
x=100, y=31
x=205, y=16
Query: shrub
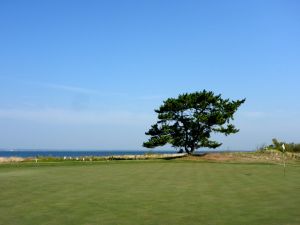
x=289, y=147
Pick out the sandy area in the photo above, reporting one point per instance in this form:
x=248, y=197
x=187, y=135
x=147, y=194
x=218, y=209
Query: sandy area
x=11, y=159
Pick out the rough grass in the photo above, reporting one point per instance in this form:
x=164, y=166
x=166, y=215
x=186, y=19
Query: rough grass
x=149, y=192
x=274, y=157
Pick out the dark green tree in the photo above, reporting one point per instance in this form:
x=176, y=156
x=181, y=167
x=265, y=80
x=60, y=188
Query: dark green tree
x=187, y=122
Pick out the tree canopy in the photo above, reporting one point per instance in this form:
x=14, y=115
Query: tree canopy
x=187, y=122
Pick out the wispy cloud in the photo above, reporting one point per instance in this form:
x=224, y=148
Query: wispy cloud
x=71, y=88
x=94, y=92
x=64, y=116
x=79, y=90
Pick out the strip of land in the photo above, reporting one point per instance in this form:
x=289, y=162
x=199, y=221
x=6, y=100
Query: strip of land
x=242, y=157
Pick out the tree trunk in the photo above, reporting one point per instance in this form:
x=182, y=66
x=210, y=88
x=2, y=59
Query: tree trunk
x=192, y=149
x=187, y=150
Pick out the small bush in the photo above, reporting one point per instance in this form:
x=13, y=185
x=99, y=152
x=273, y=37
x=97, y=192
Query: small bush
x=277, y=145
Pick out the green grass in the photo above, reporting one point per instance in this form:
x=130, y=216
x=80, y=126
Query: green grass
x=149, y=192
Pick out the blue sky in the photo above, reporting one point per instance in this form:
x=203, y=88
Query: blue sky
x=88, y=74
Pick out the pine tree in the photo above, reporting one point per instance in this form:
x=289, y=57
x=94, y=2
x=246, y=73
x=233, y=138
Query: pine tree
x=187, y=122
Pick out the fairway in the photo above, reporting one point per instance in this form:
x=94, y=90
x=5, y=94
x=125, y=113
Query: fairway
x=149, y=192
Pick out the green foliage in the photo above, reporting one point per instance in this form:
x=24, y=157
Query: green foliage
x=289, y=147
x=187, y=122
x=276, y=144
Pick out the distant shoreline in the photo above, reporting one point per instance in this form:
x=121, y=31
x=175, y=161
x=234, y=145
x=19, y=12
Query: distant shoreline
x=92, y=158
x=100, y=153
x=240, y=157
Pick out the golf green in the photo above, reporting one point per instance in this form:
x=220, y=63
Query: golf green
x=149, y=192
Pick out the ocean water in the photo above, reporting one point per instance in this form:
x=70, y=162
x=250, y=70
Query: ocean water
x=44, y=153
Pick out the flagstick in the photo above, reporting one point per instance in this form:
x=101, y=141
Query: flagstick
x=283, y=165
x=283, y=154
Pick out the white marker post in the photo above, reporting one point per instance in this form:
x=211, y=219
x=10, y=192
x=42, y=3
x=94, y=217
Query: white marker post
x=283, y=154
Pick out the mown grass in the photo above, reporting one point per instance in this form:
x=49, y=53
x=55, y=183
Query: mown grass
x=149, y=192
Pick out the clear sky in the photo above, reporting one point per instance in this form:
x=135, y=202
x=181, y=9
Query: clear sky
x=88, y=74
